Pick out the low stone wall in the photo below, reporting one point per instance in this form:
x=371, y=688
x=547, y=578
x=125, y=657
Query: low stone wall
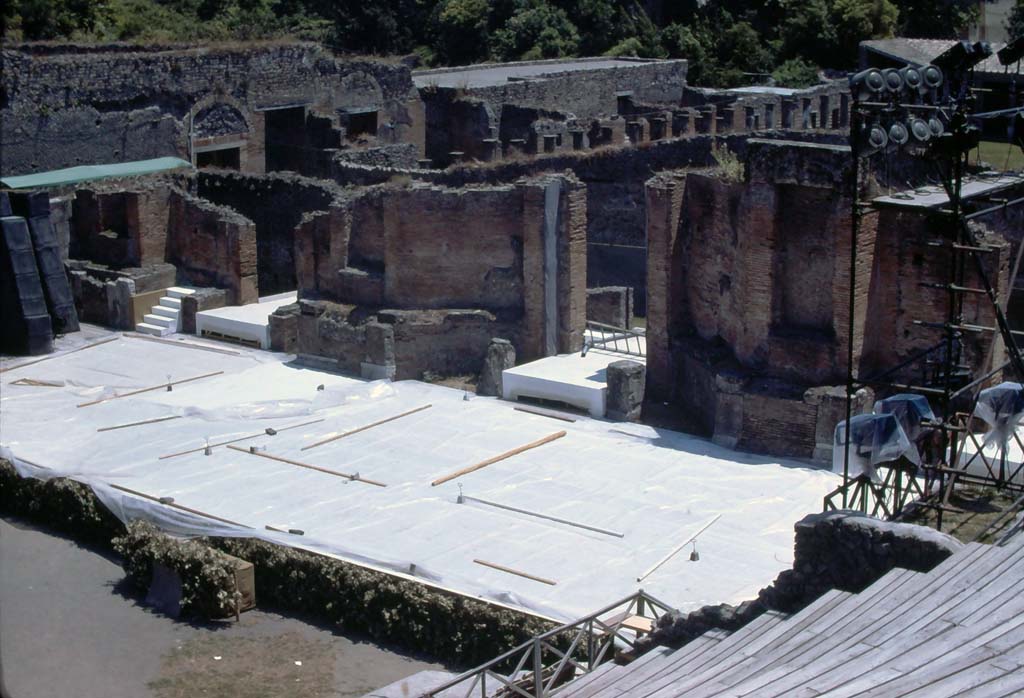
x=844, y=550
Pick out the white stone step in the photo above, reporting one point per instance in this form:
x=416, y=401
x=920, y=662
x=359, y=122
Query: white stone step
x=179, y=291
x=169, y=302
x=160, y=320
x=165, y=311
x=155, y=330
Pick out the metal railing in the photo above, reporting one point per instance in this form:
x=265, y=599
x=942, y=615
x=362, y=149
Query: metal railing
x=542, y=666
x=615, y=339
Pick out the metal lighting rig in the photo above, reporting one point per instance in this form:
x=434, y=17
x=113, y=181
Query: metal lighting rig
x=905, y=452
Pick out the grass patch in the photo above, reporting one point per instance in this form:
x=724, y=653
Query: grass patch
x=248, y=668
x=979, y=507
x=1001, y=156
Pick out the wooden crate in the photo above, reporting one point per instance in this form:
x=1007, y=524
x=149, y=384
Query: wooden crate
x=245, y=582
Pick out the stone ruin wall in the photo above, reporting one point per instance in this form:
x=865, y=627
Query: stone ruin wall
x=444, y=269
x=67, y=108
x=277, y=203
x=748, y=280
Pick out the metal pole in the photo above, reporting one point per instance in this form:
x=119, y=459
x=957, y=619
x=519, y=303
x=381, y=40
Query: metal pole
x=855, y=127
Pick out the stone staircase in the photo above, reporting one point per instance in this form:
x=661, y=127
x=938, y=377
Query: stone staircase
x=957, y=630
x=165, y=318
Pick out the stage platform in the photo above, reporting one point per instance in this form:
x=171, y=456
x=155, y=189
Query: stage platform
x=368, y=497
x=244, y=324
x=571, y=379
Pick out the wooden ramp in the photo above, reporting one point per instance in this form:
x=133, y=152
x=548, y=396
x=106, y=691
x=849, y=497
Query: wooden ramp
x=955, y=631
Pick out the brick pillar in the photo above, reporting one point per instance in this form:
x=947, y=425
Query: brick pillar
x=664, y=196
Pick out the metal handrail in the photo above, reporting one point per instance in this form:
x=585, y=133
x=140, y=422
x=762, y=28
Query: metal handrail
x=589, y=635
x=601, y=335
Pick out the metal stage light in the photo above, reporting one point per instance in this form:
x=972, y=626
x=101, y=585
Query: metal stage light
x=931, y=76
x=936, y=126
x=912, y=77
x=893, y=80
x=898, y=134
x=919, y=129
x=867, y=84
x=962, y=56
x=1012, y=52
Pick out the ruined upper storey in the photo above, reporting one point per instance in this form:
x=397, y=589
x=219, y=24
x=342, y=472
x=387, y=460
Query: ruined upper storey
x=218, y=105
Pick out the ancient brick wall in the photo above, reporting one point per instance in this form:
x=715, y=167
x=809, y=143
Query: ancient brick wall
x=749, y=288
x=212, y=246
x=277, y=204
x=75, y=106
x=587, y=93
x=126, y=228
x=447, y=248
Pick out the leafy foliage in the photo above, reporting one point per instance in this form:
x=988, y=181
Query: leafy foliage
x=1015, y=22
x=728, y=42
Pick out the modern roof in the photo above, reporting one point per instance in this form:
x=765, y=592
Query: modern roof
x=924, y=51
x=85, y=173
x=494, y=74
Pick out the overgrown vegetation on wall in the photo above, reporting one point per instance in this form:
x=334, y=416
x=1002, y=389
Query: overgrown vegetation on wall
x=728, y=42
x=447, y=626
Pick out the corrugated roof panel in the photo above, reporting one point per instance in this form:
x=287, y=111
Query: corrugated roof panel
x=85, y=173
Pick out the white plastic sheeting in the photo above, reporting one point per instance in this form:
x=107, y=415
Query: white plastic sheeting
x=874, y=439
x=656, y=487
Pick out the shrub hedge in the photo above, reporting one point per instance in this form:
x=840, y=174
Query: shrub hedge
x=207, y=575
x=447, y=626
x=60, y=503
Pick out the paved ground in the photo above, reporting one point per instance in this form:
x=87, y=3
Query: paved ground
x=69, y=627
x=485, y=76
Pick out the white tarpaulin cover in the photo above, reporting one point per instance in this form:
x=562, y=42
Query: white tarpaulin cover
x=656, y=487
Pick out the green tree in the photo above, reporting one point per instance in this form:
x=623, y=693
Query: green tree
x=1015, y=22
x=683, y=42
x=935, y=19
x=54, y=19
x=459, y=31
x=796, y=72
x=536, y=30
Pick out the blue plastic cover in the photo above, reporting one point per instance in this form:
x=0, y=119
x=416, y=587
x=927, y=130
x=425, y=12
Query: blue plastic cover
x=875, y=439
x=1001, y=407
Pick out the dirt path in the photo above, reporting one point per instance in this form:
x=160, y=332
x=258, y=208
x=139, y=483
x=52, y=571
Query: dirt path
x=68, y=627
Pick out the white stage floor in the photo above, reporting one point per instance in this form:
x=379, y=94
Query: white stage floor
x=247, y=322
x=655, y=487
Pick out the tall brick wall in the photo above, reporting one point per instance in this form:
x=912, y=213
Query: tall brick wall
x=212, y=246
x=749, y=287
x=75, y=106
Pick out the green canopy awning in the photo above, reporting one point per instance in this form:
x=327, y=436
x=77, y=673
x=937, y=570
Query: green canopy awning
x=85, y=173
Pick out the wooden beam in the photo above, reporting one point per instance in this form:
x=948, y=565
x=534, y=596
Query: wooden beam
x=507, y=454
x=279, y=459
x=136, y=424
x=177, y=506
x=146, y=390
x=57, y=356
x=175, y=343
x=32, y=382
x=545, y=413
x=509, y=570
x=364, y=428
x=240, y=438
